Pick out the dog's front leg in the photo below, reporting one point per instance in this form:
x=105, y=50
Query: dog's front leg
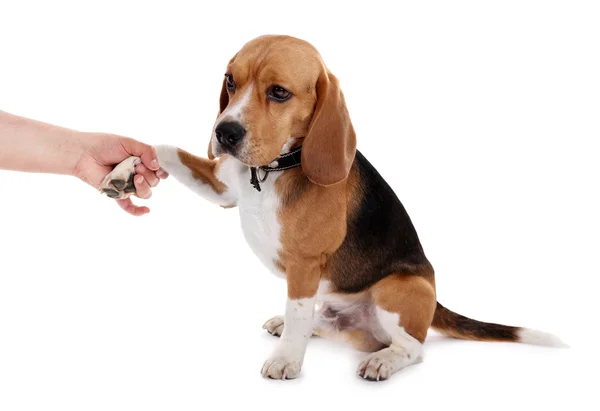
x=286, y=360
x=208, y=178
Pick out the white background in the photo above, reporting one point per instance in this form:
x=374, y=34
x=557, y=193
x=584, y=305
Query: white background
x=483, y=116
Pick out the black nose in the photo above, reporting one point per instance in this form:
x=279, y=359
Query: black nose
x=229, y=133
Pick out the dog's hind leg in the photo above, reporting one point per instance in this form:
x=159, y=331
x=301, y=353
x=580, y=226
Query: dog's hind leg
x=404, y=307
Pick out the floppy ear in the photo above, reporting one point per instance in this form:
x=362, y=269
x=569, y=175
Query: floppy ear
x=223, y=101
x=330, y=146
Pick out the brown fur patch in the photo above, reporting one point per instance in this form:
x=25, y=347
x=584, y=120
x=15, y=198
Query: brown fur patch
x=353, y=193
x=302, y=277
x=313, y=226
x=292, y=186
x=412, y=298
x=279, y=266
x=203, y=170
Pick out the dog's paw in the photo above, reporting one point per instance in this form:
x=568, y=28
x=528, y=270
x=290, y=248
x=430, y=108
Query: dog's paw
x=280, y=368
x=378, y=366
x=118, y=183
x=274, y=326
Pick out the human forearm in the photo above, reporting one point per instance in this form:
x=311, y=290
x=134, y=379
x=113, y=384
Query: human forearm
x=34, y=146
x=37, y=147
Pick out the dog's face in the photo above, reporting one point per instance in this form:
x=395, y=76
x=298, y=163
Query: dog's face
x=276, y=91
x=268, y=97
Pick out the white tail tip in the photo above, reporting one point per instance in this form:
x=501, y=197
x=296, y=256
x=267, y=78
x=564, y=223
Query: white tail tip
x=529, y=336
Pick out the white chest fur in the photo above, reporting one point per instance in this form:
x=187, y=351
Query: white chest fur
x=258, y=211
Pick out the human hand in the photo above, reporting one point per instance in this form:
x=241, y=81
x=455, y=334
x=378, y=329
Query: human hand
x=102, y=152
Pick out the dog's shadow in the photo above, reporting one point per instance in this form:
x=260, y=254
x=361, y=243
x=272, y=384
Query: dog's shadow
x=434, y=341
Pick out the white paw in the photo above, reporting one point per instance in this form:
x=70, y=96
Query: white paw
x=382, y=364
x=280, y=368
x=119, y=182
x=274, y=326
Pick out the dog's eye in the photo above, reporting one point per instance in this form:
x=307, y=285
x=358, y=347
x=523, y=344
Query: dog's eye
x=229, y=83
x=278, y=93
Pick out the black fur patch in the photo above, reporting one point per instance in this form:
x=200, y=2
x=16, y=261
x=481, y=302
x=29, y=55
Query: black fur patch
x=380, y=239
x=464, y=327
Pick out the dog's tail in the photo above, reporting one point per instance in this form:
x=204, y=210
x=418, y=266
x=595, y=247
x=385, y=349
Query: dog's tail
x=455, y=325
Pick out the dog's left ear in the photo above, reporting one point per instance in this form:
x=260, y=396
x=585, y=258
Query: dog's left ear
x=330, y=146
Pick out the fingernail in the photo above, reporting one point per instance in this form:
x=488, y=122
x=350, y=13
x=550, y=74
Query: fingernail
x=141, y=168
x=139, y=179
x=160, y=173
x=154, y=163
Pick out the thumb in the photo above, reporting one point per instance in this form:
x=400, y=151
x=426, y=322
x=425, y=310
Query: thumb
x=146, y=152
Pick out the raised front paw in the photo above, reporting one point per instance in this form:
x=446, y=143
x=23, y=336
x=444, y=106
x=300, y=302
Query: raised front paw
x=281, y=368
x=119, y=182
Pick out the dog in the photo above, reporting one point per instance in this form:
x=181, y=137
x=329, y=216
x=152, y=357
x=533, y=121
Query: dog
x=317, y=213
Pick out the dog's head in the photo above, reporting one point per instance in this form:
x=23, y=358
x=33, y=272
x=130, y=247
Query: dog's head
x=277, y=93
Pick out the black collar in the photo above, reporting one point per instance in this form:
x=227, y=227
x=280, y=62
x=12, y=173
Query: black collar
x=283, y=162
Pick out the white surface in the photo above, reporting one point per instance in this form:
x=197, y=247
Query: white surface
x=483, y=118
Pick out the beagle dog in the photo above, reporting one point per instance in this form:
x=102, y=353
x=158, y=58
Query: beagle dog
x=317, y=213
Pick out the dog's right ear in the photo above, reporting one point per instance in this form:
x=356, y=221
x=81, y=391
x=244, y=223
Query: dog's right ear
x=223, y=102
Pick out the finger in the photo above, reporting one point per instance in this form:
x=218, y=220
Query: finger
x=162, y=174
x=131, y=208
x=142, y=188
x=149, y=175
x=146, y=152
